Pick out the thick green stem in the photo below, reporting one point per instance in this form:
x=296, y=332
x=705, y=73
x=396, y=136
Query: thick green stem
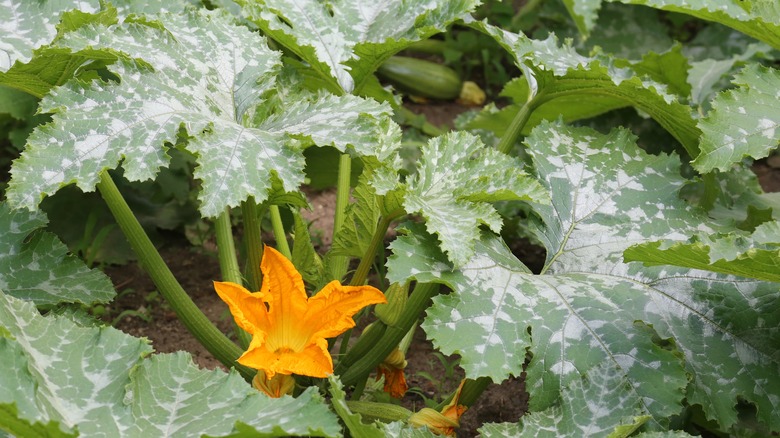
x=516, y=127
x=359, y=278
x=228, y=263
x=226, y=249
x=471, y=391
x=254, y=244
x=338, y=264
x=190, y=315
x=281, y=237
x=353, y=368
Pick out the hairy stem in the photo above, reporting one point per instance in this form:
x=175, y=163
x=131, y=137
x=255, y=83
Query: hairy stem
x=281, y=237
x=254, y=244
x=338, y=264
x=228, y=264
x=190, y=315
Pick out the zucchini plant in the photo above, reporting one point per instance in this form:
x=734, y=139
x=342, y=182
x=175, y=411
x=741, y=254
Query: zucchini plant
x=657, y=310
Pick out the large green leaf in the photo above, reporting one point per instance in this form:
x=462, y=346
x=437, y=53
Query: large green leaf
x=27, y=60
x=743, y=122
x=208, y=76
x=563, y=83
x=755, y=255
x=716, y=54
x=672, y=334
x=456, y=180
x=35, y=266
x=348, y=39
x=757, y=18
x=26, y=26
x=96, y=381
x=619, y=411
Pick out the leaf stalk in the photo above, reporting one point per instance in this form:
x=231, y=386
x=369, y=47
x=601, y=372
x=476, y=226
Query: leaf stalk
x=196, y=322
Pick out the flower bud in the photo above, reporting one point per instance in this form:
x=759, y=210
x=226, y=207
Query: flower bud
x=275, y=387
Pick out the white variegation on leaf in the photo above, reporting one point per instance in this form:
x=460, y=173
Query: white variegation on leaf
x=743, y=122
x=574, y=86
x=456, y=179
x=208, y=75
x=35, y=266
x=672, y=334
x=348, y=39
x=612, y=408
x=96, y=380
x=755, y=255
x=26, y=26
x=757, y=18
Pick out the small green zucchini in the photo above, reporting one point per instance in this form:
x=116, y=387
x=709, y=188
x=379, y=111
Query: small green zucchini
x=421, y=78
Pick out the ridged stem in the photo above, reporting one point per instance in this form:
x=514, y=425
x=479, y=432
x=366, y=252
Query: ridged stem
x=281, y=237
x=253, y=242
x=516, y=126
x=338, y=264
x=222, y=348
x=228, y=263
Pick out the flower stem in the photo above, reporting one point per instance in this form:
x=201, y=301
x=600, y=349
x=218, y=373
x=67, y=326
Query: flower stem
x=516, y=126
x=352, y=368
x=228, y=263
x=253, y=242
x=338, y=264
x=190, y=315
x=281, y=237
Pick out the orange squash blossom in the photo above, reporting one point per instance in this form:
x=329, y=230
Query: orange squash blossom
x=392, y=368
x=444, y=422
x=288, y=328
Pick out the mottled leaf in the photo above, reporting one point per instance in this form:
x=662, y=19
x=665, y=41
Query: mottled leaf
x=755, y=255
x=743, y=122
x=96, y=381
x=36, y=266
x=671, y=333
x=26, y=26
x=610, y=409
x=208, y=76
x=615, y=21
x=456, y=179
x=757, y=18
x=348, y=39
x=573, y=86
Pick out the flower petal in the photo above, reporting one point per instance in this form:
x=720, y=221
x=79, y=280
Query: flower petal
x=330, y=311
x=395, y=381
x=283, y=285
x=313, y=361
x=248, y=309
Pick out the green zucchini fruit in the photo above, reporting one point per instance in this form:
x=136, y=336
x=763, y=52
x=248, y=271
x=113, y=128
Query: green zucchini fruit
x=421, y=78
